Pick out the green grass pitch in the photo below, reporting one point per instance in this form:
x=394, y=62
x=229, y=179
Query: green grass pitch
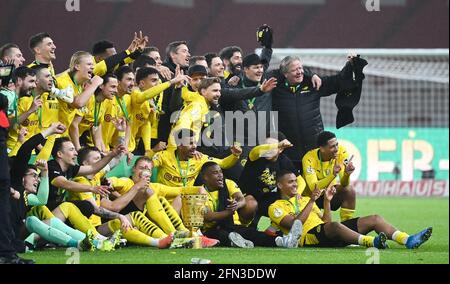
x=408, y=214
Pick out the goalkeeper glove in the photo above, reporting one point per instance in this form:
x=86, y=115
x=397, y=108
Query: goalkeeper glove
x=264, y=36
x=66, y=95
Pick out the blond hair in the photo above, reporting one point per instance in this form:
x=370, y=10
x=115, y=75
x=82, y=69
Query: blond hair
x=76, y=59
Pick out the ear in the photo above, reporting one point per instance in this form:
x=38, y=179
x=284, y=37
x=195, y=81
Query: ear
x=278, y=184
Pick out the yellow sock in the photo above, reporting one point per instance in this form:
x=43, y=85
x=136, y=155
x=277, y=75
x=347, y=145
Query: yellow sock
x=132, y=235
x=156, y=212
x=366, y=241
x=46, y=151
x=143, y=224
x=400, y=237
x=173, y=215
x=346, y=214
x=76, y=218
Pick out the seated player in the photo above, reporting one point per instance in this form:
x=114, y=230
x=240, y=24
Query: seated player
x=30, y=203
x=155, y=202
x=320, y=230
x=322, y=166
x=135, y=226
x=225, y=201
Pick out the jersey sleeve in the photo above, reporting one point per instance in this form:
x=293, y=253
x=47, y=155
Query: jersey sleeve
x=277, y=212
x=310, y=175
x=232, y=188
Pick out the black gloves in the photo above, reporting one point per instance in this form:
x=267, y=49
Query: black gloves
x=264, y=36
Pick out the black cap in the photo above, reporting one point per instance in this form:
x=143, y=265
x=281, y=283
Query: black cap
x=251, y=59
x=197, y=69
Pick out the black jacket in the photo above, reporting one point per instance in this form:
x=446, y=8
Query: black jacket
x=298, y=108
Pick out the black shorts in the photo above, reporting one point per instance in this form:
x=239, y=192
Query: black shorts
x=265, y=201
x=335, y=204
x=324, y=241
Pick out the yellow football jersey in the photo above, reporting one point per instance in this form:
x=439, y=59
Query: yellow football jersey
x=67, y=112
x=96, y=181
x=101, y=69
x=31, y=123
x=141, y=108
x=50, y=109
x=173, y=172
x=121, y=185
x=281, y=208
x=50, y=67
x=213, y=202
x=89, y=114
x=193, y=116
x=112, y=109
x=316, y=171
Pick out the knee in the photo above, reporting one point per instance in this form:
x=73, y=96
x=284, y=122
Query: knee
x=251, y=203
x=350, y=192
x=376, y=219
x=335, y=225
x=30, y=222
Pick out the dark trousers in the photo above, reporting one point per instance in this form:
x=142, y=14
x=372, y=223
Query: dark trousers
x=6, y=233
x=250, y=233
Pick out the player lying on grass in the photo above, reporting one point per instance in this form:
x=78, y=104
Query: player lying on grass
x=320, y=230
x=222, y=222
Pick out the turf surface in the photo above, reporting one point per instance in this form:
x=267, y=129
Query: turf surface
x=408, y=214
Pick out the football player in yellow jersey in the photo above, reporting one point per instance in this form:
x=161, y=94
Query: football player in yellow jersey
x=146, y=233
x=194, y=115
x=26, y=179
x=24, y=80
x=111, y=61
x=43, y=49
x=80, y=78
x=154, y=201
x=320, y=230
x=46, y=114
x=225, y=200
x=148, y=81
x=323, y=165
x=181, y=166
x=92, y=119
x=50, y=103
x=119, y=108
x=137, y=197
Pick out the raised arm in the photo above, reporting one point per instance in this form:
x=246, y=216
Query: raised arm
x=230, y=161
x=231, y=95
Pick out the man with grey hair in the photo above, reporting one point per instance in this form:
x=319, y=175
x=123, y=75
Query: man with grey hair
x=297, y=102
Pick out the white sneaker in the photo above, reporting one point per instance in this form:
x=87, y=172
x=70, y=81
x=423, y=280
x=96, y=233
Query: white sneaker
x=238, y=241
x=65, y=95
x=291, y=240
